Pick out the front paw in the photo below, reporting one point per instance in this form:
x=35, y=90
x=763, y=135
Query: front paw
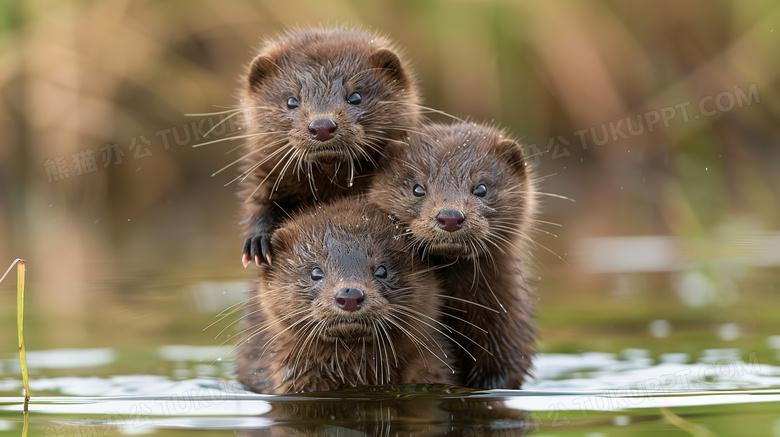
x=258, y=248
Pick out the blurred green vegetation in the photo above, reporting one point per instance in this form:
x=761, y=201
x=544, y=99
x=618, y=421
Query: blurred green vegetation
x=78, y=75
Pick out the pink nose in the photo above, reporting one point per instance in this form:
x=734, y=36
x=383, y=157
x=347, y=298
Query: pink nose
x=322, y=129
x=350, y=299
x=451, y=219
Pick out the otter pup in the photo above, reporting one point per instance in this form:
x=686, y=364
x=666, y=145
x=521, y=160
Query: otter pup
x=466, y=199
x=343, y=305
x=321, y=105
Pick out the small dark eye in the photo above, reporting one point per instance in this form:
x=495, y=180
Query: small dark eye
x=381, y=272
x=418, y=190
x=316, y=274
x=292, y=103
x=354, y=99
x=480, y=191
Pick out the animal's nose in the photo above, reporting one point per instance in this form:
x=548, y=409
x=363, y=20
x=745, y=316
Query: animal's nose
x=322, y=129
x=450, y=219
x=350, y=299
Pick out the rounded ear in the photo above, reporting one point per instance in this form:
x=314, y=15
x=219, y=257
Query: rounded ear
x=512, y=153
x=262, y=67
x=281, y=239
x=386, y=60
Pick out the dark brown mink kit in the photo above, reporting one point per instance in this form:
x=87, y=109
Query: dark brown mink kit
x=321, y=106
x=334, y=114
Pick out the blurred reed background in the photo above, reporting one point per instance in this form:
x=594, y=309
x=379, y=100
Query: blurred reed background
x=82, y=79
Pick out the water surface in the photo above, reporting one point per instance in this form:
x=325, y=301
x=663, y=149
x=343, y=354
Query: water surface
x=624, y=355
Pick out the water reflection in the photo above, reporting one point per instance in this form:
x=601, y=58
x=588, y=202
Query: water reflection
x=422, y=410
x=383, y=411
x=592, y=389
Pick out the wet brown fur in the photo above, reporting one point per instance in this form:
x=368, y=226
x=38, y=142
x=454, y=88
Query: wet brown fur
x=484, y=261
x=284, y=168
x=296, y=339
